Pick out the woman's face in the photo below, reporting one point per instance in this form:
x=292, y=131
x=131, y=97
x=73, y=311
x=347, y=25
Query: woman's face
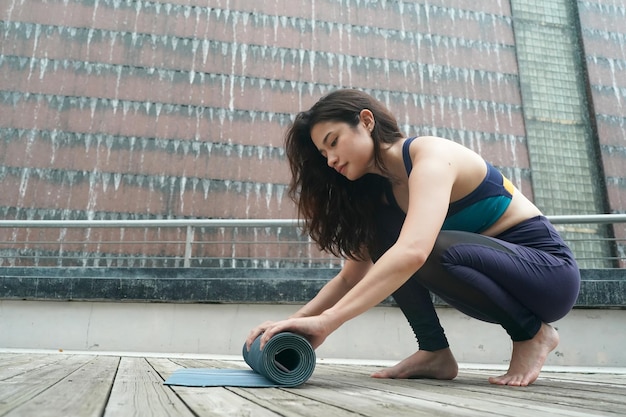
x=349, y=150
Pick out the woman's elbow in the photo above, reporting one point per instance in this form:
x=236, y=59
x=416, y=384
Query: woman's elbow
x=413, y=257
x=353, y=272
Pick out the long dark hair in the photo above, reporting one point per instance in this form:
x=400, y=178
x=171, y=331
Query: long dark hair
x=338, y=213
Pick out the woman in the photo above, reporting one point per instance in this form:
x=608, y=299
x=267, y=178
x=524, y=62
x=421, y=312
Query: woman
x=420, y=215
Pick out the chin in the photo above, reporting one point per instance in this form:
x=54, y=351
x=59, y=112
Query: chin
x=353, y=177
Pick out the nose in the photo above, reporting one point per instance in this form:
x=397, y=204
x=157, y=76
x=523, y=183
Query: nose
x=331, y=159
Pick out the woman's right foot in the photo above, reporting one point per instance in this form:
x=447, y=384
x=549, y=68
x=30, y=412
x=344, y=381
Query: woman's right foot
x=528, y=358
x=439, y=364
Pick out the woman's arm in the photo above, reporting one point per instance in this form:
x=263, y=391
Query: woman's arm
x=351, y=273
x=430, y=187
x=435, y=167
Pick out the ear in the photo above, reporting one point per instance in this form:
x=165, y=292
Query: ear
x=367, y=118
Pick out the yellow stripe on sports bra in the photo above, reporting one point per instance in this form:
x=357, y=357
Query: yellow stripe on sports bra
x=508, y=185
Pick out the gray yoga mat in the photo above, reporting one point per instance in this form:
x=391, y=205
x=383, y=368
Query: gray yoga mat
x=287, y=360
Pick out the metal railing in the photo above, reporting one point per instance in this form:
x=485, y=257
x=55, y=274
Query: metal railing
x=262, y=243
x=599, y=241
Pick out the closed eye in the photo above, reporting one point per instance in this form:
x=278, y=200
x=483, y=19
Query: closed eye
x=332, y=144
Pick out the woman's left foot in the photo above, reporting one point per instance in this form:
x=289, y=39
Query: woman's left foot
x=528, y=358
x=439, y=364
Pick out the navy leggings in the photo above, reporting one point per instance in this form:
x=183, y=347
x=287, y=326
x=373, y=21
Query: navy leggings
x=518, y=279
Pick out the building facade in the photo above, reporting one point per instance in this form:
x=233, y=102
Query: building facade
x=124, y=109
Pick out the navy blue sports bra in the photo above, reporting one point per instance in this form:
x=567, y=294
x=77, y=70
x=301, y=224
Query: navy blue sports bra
x=479, y=209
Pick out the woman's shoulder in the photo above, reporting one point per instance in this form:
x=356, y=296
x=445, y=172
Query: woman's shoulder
x=434, y=146
x=435, y=140
x=437, y=158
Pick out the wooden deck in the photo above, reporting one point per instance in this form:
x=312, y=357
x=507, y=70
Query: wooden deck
x=77, y=385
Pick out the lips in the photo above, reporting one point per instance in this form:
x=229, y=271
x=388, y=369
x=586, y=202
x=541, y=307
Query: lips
x=341, y=169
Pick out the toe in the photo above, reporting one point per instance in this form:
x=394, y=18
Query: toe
x=381, y=374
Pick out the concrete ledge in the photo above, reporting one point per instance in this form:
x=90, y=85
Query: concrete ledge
x=601, y=288
x=202, y=310
x=186, y=285
x=589, y=337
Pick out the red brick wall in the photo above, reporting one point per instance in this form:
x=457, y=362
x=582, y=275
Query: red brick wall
x=135, y=109
x=184, y=105
x=604, y=39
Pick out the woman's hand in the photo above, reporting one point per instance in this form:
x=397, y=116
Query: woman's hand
x=315, y=329
x=254, y=333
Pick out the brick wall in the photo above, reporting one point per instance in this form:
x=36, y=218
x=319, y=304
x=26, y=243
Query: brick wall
x=152, y=109
x=103, y=100
x=604, y=39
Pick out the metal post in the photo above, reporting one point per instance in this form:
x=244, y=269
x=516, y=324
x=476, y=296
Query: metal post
x=188, y=246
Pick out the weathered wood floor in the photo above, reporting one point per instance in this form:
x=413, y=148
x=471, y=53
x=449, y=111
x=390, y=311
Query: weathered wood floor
x=77, y=385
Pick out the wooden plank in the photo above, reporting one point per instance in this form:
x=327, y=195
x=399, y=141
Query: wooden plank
x=548, y=386
x=591, y=381
x=210, y=401
x=567, y=397
x=8, y=359
x=599, y=378
x=567, y=391
x=82, y=392
x=288, y=402
x=15, y=364
x=553, y=399
x=368, y=401
x=462, y=393
x=138, y=390
x=405, y=399
x=274, y=400
x=79, y=385
x=313, y=399
x=582, y=377
x=20, y=387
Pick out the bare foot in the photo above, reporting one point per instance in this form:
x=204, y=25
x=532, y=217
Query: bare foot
x=528, y=358
x=439, y=364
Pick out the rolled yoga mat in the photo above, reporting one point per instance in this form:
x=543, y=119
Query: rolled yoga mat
x=287, y=360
